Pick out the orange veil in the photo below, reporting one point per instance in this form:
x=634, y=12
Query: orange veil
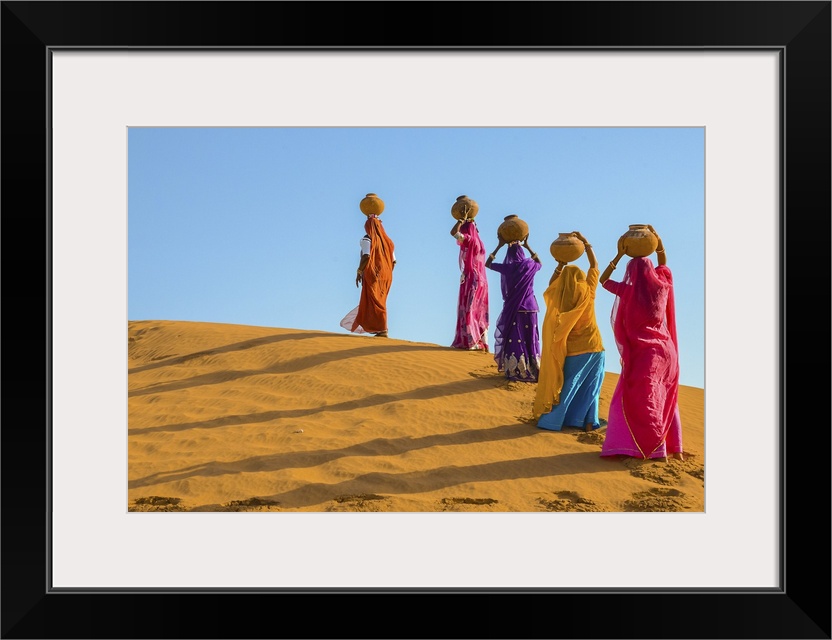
x=378, y=276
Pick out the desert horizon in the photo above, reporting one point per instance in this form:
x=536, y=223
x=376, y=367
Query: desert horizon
x=225, y=417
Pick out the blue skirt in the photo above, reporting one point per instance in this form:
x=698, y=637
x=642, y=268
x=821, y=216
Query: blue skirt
x=582, y=378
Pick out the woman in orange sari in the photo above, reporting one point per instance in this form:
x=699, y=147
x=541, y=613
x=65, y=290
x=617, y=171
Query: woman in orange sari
x=374, y=275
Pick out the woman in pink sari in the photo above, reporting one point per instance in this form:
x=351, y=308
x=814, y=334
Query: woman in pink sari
x=472, y=307
x=643, y=419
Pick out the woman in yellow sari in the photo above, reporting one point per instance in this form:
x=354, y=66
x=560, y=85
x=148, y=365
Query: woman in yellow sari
x=572, y=352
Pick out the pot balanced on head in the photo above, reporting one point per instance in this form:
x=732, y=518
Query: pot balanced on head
x=371, y=205
x=513, y=229
x=464, y=208
x=639, y=241
x=566, y=247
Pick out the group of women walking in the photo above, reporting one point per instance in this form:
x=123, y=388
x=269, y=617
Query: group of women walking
x=566, y=357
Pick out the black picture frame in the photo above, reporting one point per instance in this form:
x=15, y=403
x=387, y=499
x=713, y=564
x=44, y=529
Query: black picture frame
x=799, y=31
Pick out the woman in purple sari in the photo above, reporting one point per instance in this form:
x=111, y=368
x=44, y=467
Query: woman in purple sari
x=516, y=336
x=472, y=307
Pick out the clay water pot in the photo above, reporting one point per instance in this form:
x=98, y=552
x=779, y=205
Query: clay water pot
x=464, y=207
x=566, y=248
x=513, y=229
x=639, y=241
x=371, y=204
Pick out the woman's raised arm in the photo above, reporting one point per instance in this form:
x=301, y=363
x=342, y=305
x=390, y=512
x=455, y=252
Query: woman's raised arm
x=557, y=272
x=493, y=254
x=530, y=250
x=590, y=254
x=661, y=256
x=612, y=265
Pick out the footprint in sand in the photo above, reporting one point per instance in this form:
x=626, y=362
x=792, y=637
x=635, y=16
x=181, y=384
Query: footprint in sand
x=697, y=472
x=666, y=472
x=595, y=437
x=157, y=503
x=488, y=373
x=569, y=501
x=658, y=499
x=692, y=466
x=468, y=504
x=514, y=385
x=359, y=502
x=658, y=471
x=252, y=504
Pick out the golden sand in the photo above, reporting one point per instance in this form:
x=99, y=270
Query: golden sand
x=229, y=417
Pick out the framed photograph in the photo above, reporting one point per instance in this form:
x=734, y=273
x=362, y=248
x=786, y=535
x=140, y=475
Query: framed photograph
x=80, y=78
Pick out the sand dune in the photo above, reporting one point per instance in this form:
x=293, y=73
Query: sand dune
x=239, y=418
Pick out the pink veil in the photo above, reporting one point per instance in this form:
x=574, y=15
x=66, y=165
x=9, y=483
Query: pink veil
x=643, y=319
x=475, y=283
x=472, y=253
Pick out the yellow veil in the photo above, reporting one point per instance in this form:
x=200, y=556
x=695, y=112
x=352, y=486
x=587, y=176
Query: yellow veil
x=567, y=298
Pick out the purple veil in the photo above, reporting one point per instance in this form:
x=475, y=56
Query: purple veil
x=517, y=274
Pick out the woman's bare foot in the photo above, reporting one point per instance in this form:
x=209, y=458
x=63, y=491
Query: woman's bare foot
x=381, y=334
x=678, y=456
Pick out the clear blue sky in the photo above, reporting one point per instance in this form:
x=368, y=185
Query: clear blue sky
x=261, y=226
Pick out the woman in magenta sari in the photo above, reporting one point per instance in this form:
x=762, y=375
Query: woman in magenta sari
x=516, y=336
x=472, y=306
x=644, y=417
